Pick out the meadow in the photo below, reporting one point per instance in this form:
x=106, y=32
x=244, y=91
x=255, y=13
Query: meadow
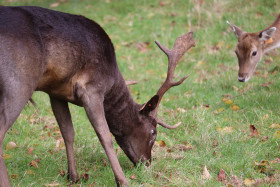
x=227, y=126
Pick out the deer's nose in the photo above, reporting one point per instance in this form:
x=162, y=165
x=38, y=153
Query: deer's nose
x=146, y=161
x=241, y=79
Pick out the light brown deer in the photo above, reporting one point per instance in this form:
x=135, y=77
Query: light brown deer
x=252, y=46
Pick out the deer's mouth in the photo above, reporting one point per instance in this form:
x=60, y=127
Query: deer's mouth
x=136, y=158
x=243, y=79
x=129, y=151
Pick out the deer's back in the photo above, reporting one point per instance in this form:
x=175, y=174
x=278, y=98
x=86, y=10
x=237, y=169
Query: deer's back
x=64, y=48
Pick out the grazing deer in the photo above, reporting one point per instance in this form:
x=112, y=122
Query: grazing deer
x=72, y=59
x=251, y=47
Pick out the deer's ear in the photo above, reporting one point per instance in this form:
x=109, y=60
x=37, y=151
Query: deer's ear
x=267, y=34
x=149, y=106
x=237, y=31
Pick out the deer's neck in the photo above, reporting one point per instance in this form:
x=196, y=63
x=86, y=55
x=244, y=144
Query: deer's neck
x=120, y=108
x=276, y=37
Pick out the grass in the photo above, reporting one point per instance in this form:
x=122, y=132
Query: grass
x=133, y=26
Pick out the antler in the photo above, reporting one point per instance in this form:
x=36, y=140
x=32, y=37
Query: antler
x=181, y=45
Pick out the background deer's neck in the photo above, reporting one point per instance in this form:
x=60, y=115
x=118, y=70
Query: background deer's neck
x=276, y=37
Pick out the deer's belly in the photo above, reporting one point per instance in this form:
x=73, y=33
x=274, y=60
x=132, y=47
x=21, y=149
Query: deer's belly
x=58, y=82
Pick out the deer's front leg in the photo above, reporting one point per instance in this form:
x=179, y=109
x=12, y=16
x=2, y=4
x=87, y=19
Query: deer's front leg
x=93, y=103
x=63, y=117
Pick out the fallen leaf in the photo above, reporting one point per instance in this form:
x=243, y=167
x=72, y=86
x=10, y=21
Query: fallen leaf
x=38, y=160
x=30, y=172
x=142, y=46
x=219, y=128
x=215, y=143
x=34, y=164
x=53, y=5
x=59, y=143
x=85, y=176
x=48, y=126
x=226, y=95
x=11, y=145
x=235, y=181
x=14, y=176
x=248, y=182
x=227, y=101
x=206, y=174
x=181, y=110
x=6, y=156
x=182, y=147
x=30, y=150
x=163, y=3
x=160, y=143
x=254, y=132
x=274, y=126
x=220, y=110
x=276, y=134
x=264, y=138
x=271, y=180
x=234, y=107
x=267, y=84
x=276, y=160
x=61, y=172
x=218, y=45
x=262, y=166
x=199, y=63
x=104, y=162
x=50, y=151
x=170, y=176
x=52, y=184
x=221, y=176
x=225, y=129
x=258, y=182
x=15, y=131
x=265, y=117
x=133, y=177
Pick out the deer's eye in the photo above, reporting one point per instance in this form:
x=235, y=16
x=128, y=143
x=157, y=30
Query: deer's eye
x=254, y=53
x=153, y=132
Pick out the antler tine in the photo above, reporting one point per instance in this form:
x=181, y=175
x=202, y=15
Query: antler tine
x=181, y=45
x=160, y=122
x=163, y=48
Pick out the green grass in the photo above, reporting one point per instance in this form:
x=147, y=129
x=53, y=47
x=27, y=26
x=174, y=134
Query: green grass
x=213, y=77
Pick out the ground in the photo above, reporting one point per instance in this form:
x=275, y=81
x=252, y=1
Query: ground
x=227, y=126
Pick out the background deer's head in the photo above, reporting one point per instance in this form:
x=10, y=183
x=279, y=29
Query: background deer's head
x=250, y=49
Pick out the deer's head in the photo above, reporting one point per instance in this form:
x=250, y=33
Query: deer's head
x=139, y=139
x=250, y=49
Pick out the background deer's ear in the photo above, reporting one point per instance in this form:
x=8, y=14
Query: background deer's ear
x=149, y=106
x=267, y=34
x=237, y=31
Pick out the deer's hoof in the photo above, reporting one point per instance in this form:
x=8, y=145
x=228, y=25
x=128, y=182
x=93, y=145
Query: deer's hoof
x=123, y=183
x=73, y=177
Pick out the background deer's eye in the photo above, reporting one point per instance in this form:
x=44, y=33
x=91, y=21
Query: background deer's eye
x=254, y=53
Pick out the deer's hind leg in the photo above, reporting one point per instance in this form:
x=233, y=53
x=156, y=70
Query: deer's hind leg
x=13, y=98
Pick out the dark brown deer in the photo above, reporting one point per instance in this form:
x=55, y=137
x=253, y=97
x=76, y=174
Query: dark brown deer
x=72, y=59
